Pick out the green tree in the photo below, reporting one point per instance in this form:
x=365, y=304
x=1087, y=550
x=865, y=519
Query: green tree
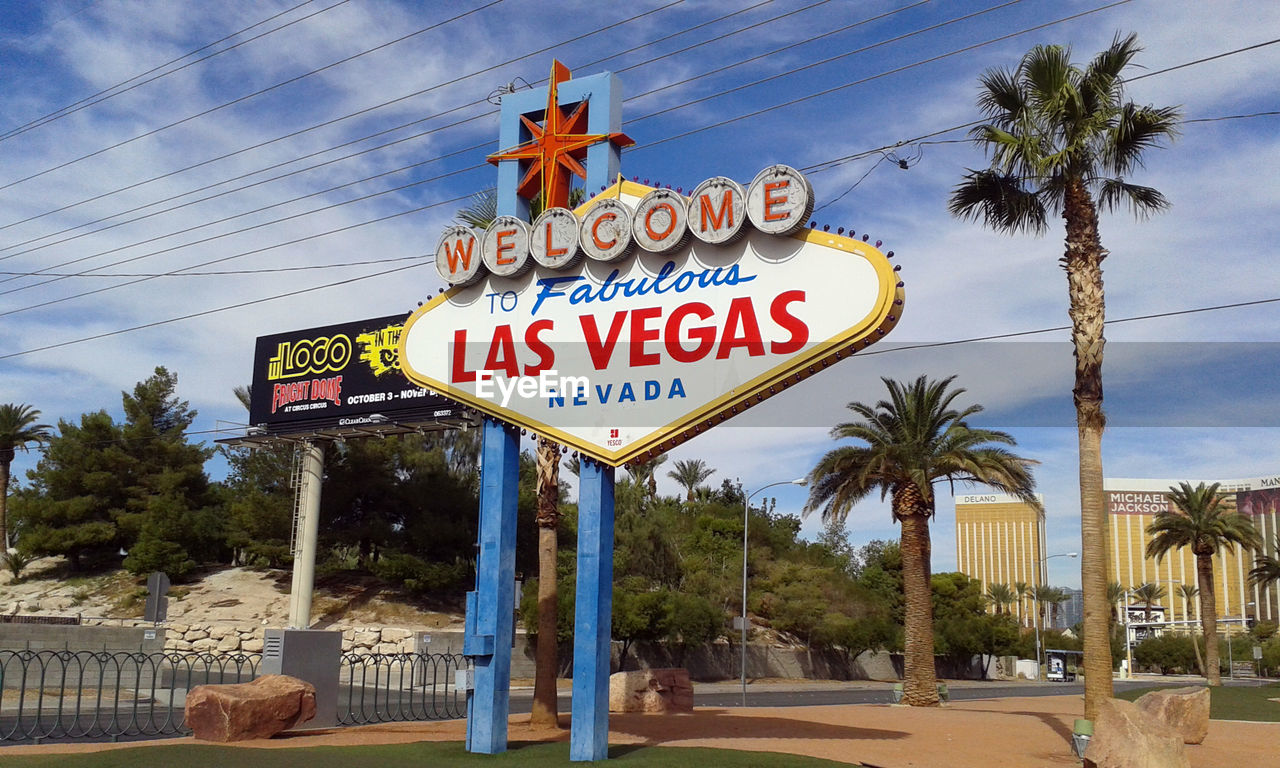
x=1115, y=593
x=1148, y=594
x=1001, y=596
x=690, y=474
x=912, y=440
x=1206, y=521
x=18, y=429
x=1063, y=140
x=1022, y=593
x=1266, y=568
x=639, y=614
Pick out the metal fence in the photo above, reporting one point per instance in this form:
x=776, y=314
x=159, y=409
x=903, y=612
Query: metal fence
x=383, y=688
x=97, y=695
x=68, y=695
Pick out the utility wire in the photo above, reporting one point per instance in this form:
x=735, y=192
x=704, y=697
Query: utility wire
x=478, y=146
x=886, y=73
x=263, y=249
x=347, y=116
x=248, y=96
x=827, y=165
x=107, y=93
x=212, y=273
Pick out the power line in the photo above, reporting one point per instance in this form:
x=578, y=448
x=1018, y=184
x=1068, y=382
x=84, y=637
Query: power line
x=211, y=273
x=348, y=116
x=886, y=73
x=263, y=249
x=459, y=122
x=92, y=99
x=248, y=96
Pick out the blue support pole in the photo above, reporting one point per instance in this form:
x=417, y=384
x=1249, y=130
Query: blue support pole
x=593, y=614
x=491, y=608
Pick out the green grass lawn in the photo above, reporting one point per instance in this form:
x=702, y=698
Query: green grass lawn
x=443, y=754
x=1234, y=703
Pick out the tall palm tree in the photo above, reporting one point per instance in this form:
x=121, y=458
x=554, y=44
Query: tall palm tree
x=645, y=474
x=1206, y=521
x=1148, y=593
x=1001, y=596
x=909, y=442
x=1044, y=596
x=1115, y=593
x=1266, y=568
x=1063, y=140
x=18, y=429
x=1189, y=593
x=1022, y=591
x=690, y=474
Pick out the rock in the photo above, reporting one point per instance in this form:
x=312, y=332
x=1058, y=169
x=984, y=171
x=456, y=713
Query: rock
x=229, y=643
x=1186, y=710
x=218, y=633
x=194, y=635
x=179, y=629
x=205, y=645
x=177, y=645
x=395, y=635
x=1126, y=736
x=252, y=645
x=387, y=648
x=254, y=710
x=366, y=639
x=661, y=691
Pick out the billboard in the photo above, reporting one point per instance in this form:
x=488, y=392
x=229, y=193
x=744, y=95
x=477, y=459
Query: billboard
x=343, y=378
x=657, y=318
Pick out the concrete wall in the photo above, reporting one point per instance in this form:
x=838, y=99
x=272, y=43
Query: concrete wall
x=58, y=637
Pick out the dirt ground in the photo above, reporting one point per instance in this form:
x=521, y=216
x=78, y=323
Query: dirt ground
x=997, y=733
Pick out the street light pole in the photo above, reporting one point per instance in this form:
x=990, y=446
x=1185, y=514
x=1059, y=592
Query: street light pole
x=1035, y=619
x=746, y=508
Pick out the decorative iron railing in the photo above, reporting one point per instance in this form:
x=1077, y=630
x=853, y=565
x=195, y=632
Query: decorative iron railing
x=85, y=695
x=383, y=688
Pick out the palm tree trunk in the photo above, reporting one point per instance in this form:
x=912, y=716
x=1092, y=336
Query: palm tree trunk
x=1208, y=617
x=1195, y=643
x=546, y=656
x=4, y=505
x=1083, y=264
x=920, y=679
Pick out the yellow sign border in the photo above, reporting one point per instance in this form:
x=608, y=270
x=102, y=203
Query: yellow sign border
x=862, y=334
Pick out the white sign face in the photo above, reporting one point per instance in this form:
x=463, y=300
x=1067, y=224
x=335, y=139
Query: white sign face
x=622, y=359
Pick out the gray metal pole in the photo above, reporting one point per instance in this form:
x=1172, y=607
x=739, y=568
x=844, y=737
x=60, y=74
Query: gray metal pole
x=304, y=564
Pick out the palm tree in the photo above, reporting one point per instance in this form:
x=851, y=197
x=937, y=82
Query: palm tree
x=1022, y=592
x=645, y=474
x=1266, y=568
x=1001, y=596
x=1115, y=593
x=1206, y=521
x=1062, y=140
x=1189, y=594
x=1148, y=593
x=911, y=441
x=1044, y=595
x=18, y=428
x=690, y=474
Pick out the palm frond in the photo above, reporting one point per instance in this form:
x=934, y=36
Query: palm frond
x=1142, y=201
x=999, y=201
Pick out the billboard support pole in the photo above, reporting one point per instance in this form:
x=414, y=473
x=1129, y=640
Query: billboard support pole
x=304, y=564
x=593, y=614
x=490, y=619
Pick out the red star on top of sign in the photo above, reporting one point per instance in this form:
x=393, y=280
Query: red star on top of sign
x=556, y=147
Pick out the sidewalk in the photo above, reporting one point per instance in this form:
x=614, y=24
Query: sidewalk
x=1025, y=732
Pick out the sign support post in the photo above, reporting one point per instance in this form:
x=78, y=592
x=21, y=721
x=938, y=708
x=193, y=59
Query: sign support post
x=490, y=616
x=304, y=563
x=593, y=614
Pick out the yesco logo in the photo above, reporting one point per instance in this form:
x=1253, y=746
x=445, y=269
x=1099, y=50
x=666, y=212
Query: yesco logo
x=777, y=202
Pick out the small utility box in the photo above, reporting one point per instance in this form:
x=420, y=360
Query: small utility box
x=313, y=655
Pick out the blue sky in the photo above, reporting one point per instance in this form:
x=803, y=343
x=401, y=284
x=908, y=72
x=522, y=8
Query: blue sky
x=1183, y=401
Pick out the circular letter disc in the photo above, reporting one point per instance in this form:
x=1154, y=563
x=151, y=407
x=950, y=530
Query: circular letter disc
x=717, y=211
x=661, y=222
x=779, y=200
x=553, y=239
x=505, y=247
x=605, y=232
x=458, y=256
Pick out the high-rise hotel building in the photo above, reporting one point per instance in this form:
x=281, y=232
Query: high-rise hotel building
x=1132, y=505
x=1000, y=539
